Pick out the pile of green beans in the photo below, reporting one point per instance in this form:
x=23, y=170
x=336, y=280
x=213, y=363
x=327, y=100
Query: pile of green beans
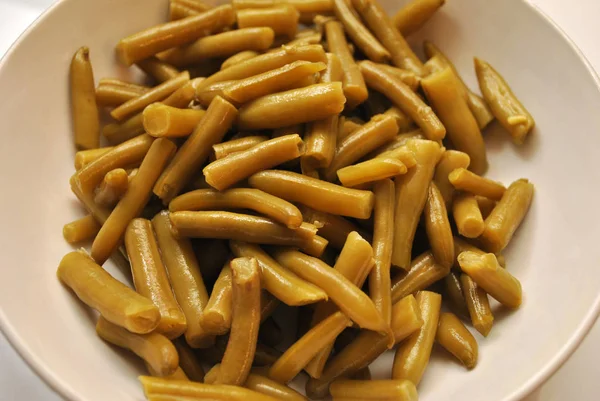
x=266, y=165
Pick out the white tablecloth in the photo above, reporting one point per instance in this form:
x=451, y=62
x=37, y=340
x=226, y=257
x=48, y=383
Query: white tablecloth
x=577, y=380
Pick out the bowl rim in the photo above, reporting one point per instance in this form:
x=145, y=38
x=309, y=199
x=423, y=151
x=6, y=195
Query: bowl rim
x=61, y=388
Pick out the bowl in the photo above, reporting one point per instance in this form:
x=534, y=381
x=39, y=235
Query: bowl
x=554, y=254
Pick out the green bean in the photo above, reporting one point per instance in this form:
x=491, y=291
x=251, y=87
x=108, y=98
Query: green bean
x=245, y=322
x=359, y=34
x=283, y=19
x=412, y=356
x=348, y=390
x=85, y=157
x=437, y=226
x=415, y=14
x=264, y=385
x=82, y=229
x=465, y=180
x=505, y=106
x=266, y=62
x=478, y=305
x=353, y=83
x=405, y=123
x=443, y=91
x=150, y=276
x=109, y=95
x=411, y=196
x=115, y=301
x=295, y=106
x=399, y=142
x=409, y=78
x=216, y=316
x=282, y=283
x=157, y=69
x=320, y=140
x=86, y=122
x=424, y=271
x=508, y=214
x=383, y=235
x=220, y=45
x=151, y=41
x=366, y=347
x=467, y=216
x=489, y=275
x=333, y=228
x=194, y=152
x=185, y=278
x=382, y=26
x=222, y=174
x=369, y=171
x=403, y=98
x=239, y=198
x=347, y=126
x=154, y=348
x=112, y=188
x=170, y=122
x=350, y=299
x=283, y=78
x=454, y=293
x=456, y=339
x=477, y=105
x=238, y=58
x=379, y=130
x=316, y=194
x=224, y=149
x=156, y=94
x=132, y=204
x=354, y=263
x=450, y=160
x=155, y=388
x=304, y=349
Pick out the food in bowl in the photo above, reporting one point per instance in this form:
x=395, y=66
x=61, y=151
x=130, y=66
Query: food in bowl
x=205, y=142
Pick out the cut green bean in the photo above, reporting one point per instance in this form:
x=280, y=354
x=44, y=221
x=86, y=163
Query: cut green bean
x=423, y=272
x=86, y=122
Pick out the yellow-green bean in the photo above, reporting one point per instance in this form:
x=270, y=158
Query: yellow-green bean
x=157, y=69
x=316, y=194
x=159, y=389
x=465, y=180
x=505, y=106
x=82, y=229
x=282, y=283
x=415, y=14
x=151, y=41
x=398, y=390
x=238, y=58
x=170, y=122
x=423, y=272
x=185, y=278
x=114, y=300
x=409, y=78
x=216, y=316
x=245, y=322
x=405, y=123
x=220, y=45
x=477, y=105
x=489, y=275
x=467, y=216
x=411, y=196
x=404, y=98
x=478, y=305
x=85, y=157
x=224, y=149
x=295, y=106
x=370, y=171
x=154, y=348
x=86, y=122
x=156, y=94
x=353, y=83
x=412, y=356
x=507, y=216
x=437, y=226
x=283, y=18
x=150, y=276
x=109, y=95
x=194, y=152
x=264, y=385
x=456, y=339
x=333, y=228
x=112, y=188
x=443, y=91
x=379, y=130
x=359, y=34
x=450, y=160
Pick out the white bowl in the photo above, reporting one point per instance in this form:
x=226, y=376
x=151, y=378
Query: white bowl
x=555, y=254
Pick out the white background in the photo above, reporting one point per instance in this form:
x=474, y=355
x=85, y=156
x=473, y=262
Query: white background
x=576, y=380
